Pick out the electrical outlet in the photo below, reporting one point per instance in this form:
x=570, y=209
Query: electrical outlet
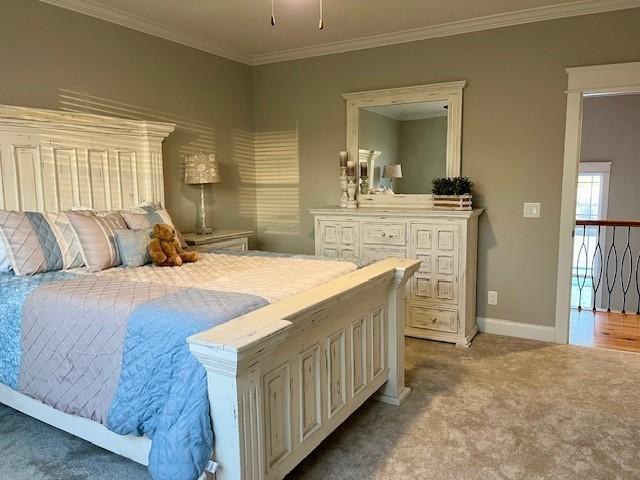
x=531, y=210
x=492, y=298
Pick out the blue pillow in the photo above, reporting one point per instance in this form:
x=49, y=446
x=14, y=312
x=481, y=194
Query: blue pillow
x=133, y=246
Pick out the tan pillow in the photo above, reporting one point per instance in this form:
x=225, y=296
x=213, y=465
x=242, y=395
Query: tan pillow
x=96, y=234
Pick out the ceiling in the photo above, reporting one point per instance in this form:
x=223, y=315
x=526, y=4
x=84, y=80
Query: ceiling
x=412, y=111
x=241, y=30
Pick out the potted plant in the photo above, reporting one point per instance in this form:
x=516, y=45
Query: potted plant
x=452, y=193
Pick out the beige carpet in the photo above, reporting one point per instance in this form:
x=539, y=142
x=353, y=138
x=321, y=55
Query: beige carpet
x=504, y=409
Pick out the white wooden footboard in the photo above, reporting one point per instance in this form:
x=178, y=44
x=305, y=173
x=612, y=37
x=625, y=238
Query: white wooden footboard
x=285, y=376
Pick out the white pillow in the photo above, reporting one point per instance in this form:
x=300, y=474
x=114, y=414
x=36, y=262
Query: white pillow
x=5, y=263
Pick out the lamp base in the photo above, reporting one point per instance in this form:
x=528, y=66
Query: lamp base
x=202, y=228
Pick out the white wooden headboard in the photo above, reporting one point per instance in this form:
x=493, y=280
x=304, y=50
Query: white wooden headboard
x=52, y=161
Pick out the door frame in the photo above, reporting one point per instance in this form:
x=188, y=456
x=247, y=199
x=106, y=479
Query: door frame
x=593, y=80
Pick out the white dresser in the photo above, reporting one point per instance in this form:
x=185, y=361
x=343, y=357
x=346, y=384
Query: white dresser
x=441, y=297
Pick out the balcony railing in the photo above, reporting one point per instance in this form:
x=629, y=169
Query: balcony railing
x=607, y=264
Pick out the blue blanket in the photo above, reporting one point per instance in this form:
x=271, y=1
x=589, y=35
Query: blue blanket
x=58, y=331
x=163, y=388
x=13, y=292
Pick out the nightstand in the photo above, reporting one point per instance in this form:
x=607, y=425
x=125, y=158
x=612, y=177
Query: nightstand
x=223, y=239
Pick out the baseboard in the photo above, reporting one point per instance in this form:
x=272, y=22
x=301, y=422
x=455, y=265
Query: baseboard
x=516, y=329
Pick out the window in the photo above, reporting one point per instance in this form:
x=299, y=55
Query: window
x=591, y=204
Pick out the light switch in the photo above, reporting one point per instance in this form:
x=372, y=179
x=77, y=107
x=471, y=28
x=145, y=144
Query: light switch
x=531, y=210
x=492, y=298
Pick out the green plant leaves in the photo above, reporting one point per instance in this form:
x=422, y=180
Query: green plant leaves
x=452, y=186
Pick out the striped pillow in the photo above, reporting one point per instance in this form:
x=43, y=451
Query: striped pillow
x=67, y=240
x=96, y=234
x=30, y=243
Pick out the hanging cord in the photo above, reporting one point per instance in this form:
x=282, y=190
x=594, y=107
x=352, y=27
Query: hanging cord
x=273, y=16
x=321, y=23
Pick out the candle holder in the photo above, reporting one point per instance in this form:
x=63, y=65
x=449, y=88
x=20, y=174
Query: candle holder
x=344, y=198
x=351, y=192
x=364, y=185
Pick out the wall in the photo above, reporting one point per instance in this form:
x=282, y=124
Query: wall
x=423, y=153
x=513, y=127
x=380, y=133
x=611, y=133
x=513, y=133
x=54, y=58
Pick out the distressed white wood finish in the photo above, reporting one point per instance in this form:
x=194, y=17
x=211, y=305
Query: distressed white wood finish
x=442, y=294
x=219, y=239
x=306, y=364
x=451, y=92
x=52, y=161
x=281, y=378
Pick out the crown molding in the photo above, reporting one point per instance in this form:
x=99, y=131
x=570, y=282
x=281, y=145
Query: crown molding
x=134, y=22
x=538, y=14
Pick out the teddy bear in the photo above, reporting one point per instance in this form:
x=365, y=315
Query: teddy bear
x=165, y=249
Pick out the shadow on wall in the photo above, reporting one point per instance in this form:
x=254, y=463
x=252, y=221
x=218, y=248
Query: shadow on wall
x=269, y=168
x=201, y=136
x=267, y=162
x=189, y=137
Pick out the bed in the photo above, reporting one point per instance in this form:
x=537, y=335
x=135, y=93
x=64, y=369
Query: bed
x=256, y=357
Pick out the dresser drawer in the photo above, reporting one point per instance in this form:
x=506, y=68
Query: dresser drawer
x=238, y=244
x=422, y=237
x=346, y=252
x=385, y=233
x=441, y=238
x=340, y=233
x=435, y=288
x=433, y=319
x=373, y=254
x=425, y=262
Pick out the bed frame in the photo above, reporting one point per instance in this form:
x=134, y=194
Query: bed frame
x=281, y=378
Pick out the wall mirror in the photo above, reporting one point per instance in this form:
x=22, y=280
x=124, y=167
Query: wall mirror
x=402, y=139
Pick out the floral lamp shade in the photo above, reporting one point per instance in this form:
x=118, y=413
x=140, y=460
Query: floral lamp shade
x=201, y=168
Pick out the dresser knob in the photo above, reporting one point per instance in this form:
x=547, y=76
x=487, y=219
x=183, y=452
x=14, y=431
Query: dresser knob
x=384, y=234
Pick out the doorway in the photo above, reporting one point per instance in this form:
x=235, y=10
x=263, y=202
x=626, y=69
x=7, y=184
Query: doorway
x=598, y=290
x=592, y=201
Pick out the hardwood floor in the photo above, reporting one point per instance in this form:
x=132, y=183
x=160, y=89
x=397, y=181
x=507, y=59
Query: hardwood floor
x=607, y=330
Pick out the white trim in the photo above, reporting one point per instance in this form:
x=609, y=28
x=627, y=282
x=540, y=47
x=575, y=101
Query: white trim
x=27, y=117
x=451, y=92
x=623, y=77
x=134, y=22
x=508, y=328
x=595, y=167
x=530, y=15
x=500, y=20
x=41, y=139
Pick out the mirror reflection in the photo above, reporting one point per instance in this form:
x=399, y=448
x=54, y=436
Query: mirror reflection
x=402, y=147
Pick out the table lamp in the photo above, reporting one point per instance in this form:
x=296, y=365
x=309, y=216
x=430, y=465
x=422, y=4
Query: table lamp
x=202, y=169
x=392, y=171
